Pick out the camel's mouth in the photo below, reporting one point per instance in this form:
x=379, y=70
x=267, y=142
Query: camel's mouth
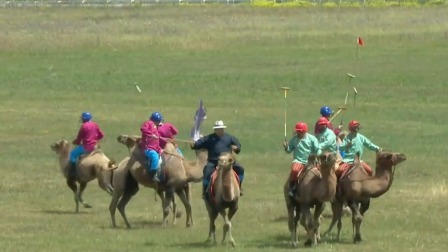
x=122, y=139
x=400, y=157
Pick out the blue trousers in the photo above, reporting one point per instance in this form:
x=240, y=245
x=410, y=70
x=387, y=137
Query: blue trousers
x=153, y=160
x=76, y=153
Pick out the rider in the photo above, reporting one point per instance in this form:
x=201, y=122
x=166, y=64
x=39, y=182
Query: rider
x=88, y=136
x=326, y=112
x=217, y=143
x=325, y=136
x=353, y=143
x=167, y=131
x=151, y=146
x=301, y=145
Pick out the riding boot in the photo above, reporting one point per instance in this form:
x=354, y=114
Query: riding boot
x=292, y=187
x=241, y=189
x=154, y=176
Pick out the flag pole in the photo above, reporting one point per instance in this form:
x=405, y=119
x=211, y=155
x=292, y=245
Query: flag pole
x=357, y=50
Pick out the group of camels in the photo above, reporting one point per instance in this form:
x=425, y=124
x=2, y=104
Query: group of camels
x=122, y=181
x=317, y=184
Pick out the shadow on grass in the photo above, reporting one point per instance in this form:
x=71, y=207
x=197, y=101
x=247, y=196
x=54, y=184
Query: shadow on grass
x=274, y=242
x=63, y=212
x=136, y=225
x=284, y=242
x=197, y=245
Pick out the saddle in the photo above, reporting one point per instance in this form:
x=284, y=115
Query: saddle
x=210, y=191
x=86, y=155
x=137, y=153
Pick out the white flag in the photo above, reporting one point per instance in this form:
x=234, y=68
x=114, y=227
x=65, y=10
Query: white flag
x=199, y=117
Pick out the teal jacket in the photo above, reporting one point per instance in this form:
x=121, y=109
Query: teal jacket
x=358, y=143
x=302, y=148
x=327, y=141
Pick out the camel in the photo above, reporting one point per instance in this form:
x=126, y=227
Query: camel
x=178, y=173
x=95, y=165
x=317, y=186
x=357, y=188
x=293, y=206
x=225, y=193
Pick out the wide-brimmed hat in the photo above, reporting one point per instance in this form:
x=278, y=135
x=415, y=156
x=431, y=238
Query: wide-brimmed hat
x=219, y=125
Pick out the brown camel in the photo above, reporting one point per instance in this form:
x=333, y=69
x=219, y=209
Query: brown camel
x=225, y=192
x=293, y=206
x=178, y=173
x=317, y=186
x=357, y=188
x=95, y=165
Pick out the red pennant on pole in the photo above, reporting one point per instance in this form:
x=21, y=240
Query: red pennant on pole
x=359, y=41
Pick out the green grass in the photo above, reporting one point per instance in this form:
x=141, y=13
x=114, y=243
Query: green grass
x=56, y=63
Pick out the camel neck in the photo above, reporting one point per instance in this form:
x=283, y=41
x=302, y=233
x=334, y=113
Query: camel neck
x=228, y=193
x=381, y=182
x=328, y=181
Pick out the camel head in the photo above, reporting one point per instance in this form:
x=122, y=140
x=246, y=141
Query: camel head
x=327, y=160
x=312, y=161
x=226, y=160
x=128, y=140
x=61, y=146
x=388, y=159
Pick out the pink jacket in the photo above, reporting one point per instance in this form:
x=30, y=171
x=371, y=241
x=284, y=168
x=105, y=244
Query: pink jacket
x=167, y=130
x=89, y=134
x=150, y=137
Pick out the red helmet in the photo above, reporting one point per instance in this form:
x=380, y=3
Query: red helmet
x=323, y=121
x=301, y=127
x=353, y=125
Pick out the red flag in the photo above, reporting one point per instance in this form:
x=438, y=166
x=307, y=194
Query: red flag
x=359, y=41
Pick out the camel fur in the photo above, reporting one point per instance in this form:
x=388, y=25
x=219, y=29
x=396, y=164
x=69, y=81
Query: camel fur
x=293, y=206
x=317, y=186
x=178, y=173
x=95, y=165
x=226, y=196
x=357, y=188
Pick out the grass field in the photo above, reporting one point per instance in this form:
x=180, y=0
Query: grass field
x=56, y=63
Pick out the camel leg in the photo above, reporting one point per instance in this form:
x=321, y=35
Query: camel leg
x=227, y=228
x=292, y=225
x=174, y=209
x=72, y=185
x=307, y=223
x=113, y=205
x=212, y=228
x=364, y=207
x=187, y=190
x=122, y=205
x=82, y=187
x=184, y=198
x=106, y=187
x=319, y=209
x=336, y=208
x=166, y=205
x=356, y=221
